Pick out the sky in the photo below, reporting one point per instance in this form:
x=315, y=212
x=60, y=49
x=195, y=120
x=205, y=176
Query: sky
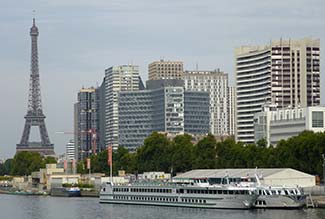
x=79, y=39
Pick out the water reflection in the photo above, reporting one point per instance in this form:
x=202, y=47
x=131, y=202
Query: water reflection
x=33, y=207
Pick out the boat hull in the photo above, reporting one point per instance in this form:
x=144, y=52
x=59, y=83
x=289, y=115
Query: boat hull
x=169, y=197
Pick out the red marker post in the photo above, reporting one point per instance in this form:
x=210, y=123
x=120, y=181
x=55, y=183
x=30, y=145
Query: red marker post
x=88, y=166
x=110, y=161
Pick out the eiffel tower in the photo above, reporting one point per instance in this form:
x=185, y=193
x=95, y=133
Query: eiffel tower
x=35, y=116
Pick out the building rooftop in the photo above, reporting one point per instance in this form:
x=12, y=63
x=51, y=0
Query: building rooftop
x=234, y=173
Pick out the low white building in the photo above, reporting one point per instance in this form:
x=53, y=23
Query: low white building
x=156, y=176
x=274, y=125
x=267, y=176
x=59, y=179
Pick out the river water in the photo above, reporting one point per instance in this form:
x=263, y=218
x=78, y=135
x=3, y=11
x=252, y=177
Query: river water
x=39, y=207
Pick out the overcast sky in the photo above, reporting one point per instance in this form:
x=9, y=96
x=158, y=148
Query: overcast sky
x=80, y=38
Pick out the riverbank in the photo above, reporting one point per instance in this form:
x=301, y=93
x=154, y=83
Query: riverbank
x=83, y=193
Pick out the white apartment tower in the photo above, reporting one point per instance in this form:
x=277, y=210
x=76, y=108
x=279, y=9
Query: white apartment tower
x=117, y=78
x=70, y=150
x=216, y=83
x=231, y=110
x=285, y=73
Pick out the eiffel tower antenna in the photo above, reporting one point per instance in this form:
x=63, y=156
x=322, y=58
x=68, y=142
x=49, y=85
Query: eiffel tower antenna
x=35, y=116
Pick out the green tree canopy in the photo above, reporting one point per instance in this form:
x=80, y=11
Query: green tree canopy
x=205, y=152
x=154, y=155
x=182, y=153
x=24, y=163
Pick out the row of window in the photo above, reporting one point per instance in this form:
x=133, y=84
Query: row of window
x=153, y=190
x=225, y=192
x=189, y=191
x=161, y=199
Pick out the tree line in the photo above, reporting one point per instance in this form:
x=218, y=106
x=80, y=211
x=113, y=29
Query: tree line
x=24, y=163
x=158, y=153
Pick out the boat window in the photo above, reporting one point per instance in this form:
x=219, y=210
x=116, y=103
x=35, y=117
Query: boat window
x=231, y=192
x=204, y=201
x=219, y=191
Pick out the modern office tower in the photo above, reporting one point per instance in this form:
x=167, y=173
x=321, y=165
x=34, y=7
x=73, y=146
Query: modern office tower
x=165, y=70
x=86, y=110
x=165, y=106
x=216, y=84
x=76, y=136
x=285, y=72
x=70, y=150
x=101, y=104
x=35, y=116
x=196, y=112
x=231, y=110
x=274, y=124
x=117, y=78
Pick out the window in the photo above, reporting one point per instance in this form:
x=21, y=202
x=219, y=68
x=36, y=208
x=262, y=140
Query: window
x=317, y=119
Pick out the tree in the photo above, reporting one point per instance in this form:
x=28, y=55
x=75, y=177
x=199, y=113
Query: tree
x=48, y=160
x=206, y=153
x=24, y=163
x=182, y=156
x=5, y=167
x=154, y=155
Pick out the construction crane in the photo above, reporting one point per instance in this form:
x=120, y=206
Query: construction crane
x=92, y=132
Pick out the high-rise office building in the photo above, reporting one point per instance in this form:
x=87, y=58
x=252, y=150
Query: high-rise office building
x=285, y=73
x=216, y=84
x=87, y=124
x=165, y=70
x=101, y=104
x=165, y=106
x=117, y=78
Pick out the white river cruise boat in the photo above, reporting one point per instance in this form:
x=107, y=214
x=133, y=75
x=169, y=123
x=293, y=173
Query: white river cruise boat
x=199, y=195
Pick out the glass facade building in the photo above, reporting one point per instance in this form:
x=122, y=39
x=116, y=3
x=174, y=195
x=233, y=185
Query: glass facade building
x=163, y=108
